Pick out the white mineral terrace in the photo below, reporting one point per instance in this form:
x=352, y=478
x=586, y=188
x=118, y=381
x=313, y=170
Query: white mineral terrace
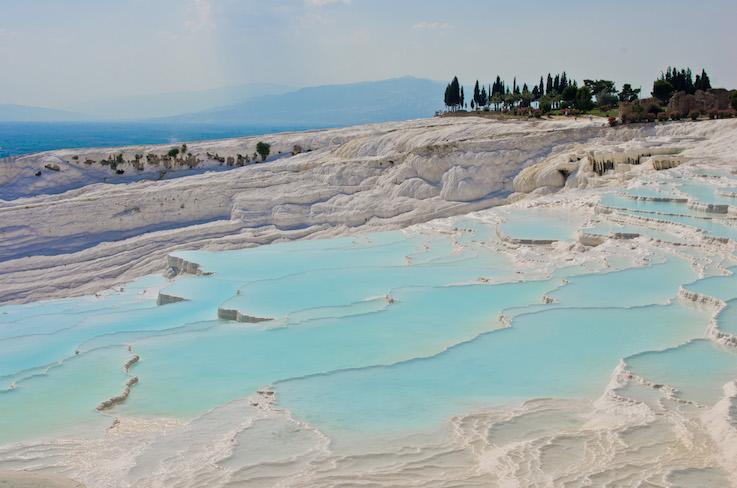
x=445, y=302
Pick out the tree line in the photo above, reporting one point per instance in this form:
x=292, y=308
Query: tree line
x=674, y=80
x=559, y=91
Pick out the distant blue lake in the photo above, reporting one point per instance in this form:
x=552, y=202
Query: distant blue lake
x=29, y=137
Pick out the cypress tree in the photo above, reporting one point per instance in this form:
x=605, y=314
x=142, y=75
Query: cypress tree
x=705, y=81
x=454, y=94
x=541, y=87
x=549, y=86
x=476, y=94
x=563, y=82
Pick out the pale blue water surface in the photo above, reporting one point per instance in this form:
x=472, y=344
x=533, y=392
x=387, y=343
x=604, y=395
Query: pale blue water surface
x=383, y=333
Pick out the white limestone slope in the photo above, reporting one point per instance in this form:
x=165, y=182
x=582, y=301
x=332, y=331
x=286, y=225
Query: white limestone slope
x=83, y=228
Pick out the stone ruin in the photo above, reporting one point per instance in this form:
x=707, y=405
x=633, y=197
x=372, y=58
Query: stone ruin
x=701, y=101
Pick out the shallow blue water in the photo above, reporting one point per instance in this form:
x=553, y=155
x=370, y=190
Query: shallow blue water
x=697, y=369
x=556, y=353
x=381, y=333
x=540, y=225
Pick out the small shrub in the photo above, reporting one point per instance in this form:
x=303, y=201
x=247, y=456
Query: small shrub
x=537, y=114
x=650, y=117
x=263, y=149
x=694, y=115
x=173, y=152
x=713, y=114
x=662, y=117
x=675, y=116
x=733, y=100
x=626, y=119
x=654, y=109
x=612, y=121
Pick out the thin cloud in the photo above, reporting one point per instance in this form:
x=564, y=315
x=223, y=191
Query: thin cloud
x=431, y=26
x=201, y=18
x=323, y=3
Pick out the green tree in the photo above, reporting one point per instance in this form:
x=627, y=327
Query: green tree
x=702, y=81
x=662, y=90
x=525, y=96
x=628, y=94
x=583, y=98
x=453, y=95
x=545, y=105
x=563, y=82
x=733, y=99
x=603, y=90
x=535, y=93
x=173, y=152
x=497, y=100
x=705, y=81
x=476, y=94
x=569, y=95
x=263, y=149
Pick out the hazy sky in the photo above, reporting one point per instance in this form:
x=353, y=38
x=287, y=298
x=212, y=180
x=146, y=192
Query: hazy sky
x=59, y=52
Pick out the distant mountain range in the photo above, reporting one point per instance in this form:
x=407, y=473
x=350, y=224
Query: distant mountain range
x=259, y=105
x=174, y=103
x=24, y=113
x=355, y=103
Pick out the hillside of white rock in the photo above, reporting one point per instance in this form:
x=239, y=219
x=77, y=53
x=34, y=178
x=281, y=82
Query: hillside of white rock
x=72, y=226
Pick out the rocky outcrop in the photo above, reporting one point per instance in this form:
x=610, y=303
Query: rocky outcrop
x=117, y=399
x=709, y=207
x=164, y=299
x=179, y=265
x=514, y=240
x=665, y=163
x=550, y=173
x=236, y=316
x=591, y=240
x=692, y=296
x=133, y=360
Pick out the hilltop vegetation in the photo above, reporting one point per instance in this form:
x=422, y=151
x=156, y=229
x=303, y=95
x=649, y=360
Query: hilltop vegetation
x=675, y=94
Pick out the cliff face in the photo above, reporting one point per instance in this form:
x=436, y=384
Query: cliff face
x=363, y=178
